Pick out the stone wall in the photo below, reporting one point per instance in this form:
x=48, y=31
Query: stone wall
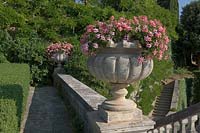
x=82, y=98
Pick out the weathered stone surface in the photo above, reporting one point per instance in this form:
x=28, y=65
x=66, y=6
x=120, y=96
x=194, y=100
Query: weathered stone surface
x=119, y=65
x=120, y=116
x=79, y=92
x=47, y=113
x=98, y=125
x=86, y=101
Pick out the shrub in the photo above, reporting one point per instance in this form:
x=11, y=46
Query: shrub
x=3, y=58
x=182, y=99
x=152, y=86
x=195, y=88
x=14, y=86
x=27, y=26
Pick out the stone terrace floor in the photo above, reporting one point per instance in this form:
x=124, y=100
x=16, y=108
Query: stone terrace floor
x=47, y=113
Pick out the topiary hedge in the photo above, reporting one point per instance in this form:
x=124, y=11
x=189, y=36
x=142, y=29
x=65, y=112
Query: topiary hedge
x=14, y=86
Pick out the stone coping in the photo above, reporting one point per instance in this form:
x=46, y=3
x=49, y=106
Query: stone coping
x=82, y=92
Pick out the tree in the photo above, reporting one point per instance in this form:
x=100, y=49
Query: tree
x=189, y=35
x=171, y=5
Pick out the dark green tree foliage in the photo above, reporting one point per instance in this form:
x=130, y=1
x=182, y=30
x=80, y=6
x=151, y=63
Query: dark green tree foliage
x=171, y=5
x=174, y=6
x=196, y=90
x=189, y=34
x=164, y=3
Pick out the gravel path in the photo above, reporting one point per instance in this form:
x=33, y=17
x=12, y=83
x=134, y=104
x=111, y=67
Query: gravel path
x=47, y=113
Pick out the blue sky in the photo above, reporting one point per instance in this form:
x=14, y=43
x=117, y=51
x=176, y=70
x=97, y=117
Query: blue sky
x=182, y=3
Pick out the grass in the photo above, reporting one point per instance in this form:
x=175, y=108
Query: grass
x=14, y=85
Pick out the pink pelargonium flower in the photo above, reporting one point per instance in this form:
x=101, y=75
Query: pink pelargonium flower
x=158, y=34
x=83, y=40
x=148, y=45
x=156, y=43
x=95, y=45
x=103, y=38
x=84, y=48
x=147, y=39
x=98, y=36
x=161, y=29
x=155, y=52
x=135, y=20
x=112, y=33
x=90, y=28
x=95, y=30
x=140, y=59
x=144, y=19
x=120, y=28
x=152, y=23
x=150, y=34
x=165, y=47
x=145, y=28
x=112, y=18
x=166, y=39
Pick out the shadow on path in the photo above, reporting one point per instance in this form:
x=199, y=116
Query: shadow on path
x=47, y=113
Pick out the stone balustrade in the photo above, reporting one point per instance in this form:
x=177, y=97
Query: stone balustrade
x=86, y=101
x=186, y=121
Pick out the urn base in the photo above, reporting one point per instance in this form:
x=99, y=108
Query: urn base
x=120, y=116
x=119, y=105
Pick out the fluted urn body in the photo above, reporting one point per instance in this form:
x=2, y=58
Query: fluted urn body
x=59, y=58
x=119, y=67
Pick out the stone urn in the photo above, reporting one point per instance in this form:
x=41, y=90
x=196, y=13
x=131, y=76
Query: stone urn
x=119, y=67
x=59, y=58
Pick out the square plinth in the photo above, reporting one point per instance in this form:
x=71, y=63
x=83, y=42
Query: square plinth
x=97, y=125
x=120, y=116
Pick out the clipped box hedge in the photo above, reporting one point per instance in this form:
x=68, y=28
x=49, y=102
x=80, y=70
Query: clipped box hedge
x=14, y=86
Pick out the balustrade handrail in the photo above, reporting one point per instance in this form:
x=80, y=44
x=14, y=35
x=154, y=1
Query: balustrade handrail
x=190, y=111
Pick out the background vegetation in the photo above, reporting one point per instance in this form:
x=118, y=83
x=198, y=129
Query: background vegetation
x=27, y=27
x=14, y=86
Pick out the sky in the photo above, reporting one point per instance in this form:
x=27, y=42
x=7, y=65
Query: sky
x=182, y=3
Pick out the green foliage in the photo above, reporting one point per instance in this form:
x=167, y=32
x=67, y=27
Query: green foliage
x=77, y=67
x=195, y=88
x=146, y=7
x=151, y=86
x=182, y=99
x=171, y=5
x=14, y=86
x=3, y=58
x=26, y=48
x=189, y=34
x=35, y=24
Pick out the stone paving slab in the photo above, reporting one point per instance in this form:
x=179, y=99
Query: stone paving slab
x=47, y=113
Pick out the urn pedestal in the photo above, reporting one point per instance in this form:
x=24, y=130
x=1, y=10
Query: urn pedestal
x=59, y=58
x=119, y=67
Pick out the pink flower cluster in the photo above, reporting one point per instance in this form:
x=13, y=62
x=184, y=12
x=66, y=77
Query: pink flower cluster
x=59, y=47
x=150, y=33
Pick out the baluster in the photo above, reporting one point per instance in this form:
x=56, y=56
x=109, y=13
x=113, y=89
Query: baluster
x=150, y=131
x=176, y=127
x=192, y=121
x=155, y=131
x=198, y=124
x=168, y=128
x=161, y=130
x=184, y=122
